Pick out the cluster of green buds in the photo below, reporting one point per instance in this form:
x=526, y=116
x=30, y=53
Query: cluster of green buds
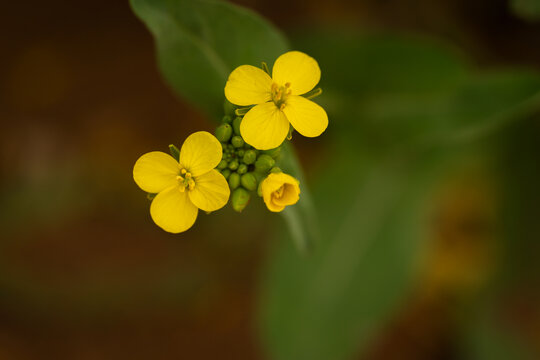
x=242, y=165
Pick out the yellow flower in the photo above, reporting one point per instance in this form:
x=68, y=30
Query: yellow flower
x=277, y=99
x=280, y=190
x=186, y=186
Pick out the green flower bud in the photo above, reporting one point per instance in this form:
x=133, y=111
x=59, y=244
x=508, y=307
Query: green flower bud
x=242, y=169
x=222, y=164
x=275, y=169
x=234, y=180
x=240, y=152
x=273, y=152
x=233, y=165
x=224, y=132
x=249, y=181
x=236, y=125
x=237, y=141
x=228, y=109
x=264, y=163
x=249, y=157
x=227, y=119
x=240, y=199
x=226, y=173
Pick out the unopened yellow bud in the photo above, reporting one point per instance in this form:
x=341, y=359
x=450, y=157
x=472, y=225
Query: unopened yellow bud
x=280, y=190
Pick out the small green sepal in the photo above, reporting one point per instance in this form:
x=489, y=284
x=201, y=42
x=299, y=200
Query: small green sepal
x=291, y=131
x=264, y=66
x=242, y=111
x=313, y=93
x=174, y=152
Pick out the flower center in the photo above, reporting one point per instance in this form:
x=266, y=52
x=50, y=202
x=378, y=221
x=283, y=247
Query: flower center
x=185, y=180
x=279, y=192
x=280, y=94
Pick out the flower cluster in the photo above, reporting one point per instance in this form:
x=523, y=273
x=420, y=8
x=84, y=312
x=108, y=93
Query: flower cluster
x=243, y=157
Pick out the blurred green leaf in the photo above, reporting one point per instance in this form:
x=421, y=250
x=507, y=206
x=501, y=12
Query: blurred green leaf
x=480, y=105
x=491, y=331
x=390, y=91
x=527, y=9
x=487, y=339
x=356, y=63
x=199, y=42
x=373, y=219
x=517, y=159
x=416, y=103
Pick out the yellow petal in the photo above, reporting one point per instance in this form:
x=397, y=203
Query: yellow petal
x=298, y=69
x=172, y=210
x=200, y=153
x=155, y=171
x=270, y=205
x=248, y=85
x=291, y=195
x=273, y=182
x=211, y=191
x=306, y=117
x=264, y=127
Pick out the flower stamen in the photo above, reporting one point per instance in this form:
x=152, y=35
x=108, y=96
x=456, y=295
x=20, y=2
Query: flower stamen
x=280, y=94
x=279, y=192
x=185, y=182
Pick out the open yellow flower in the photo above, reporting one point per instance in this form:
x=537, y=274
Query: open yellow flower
x=278, y=100
x=186, y=186
x=280, y=190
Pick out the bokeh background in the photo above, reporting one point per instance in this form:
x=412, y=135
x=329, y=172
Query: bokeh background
x=85, y=274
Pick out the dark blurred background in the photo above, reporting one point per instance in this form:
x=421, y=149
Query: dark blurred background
x=85, y=274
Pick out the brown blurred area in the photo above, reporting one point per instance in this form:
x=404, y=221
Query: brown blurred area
x=84, y=274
